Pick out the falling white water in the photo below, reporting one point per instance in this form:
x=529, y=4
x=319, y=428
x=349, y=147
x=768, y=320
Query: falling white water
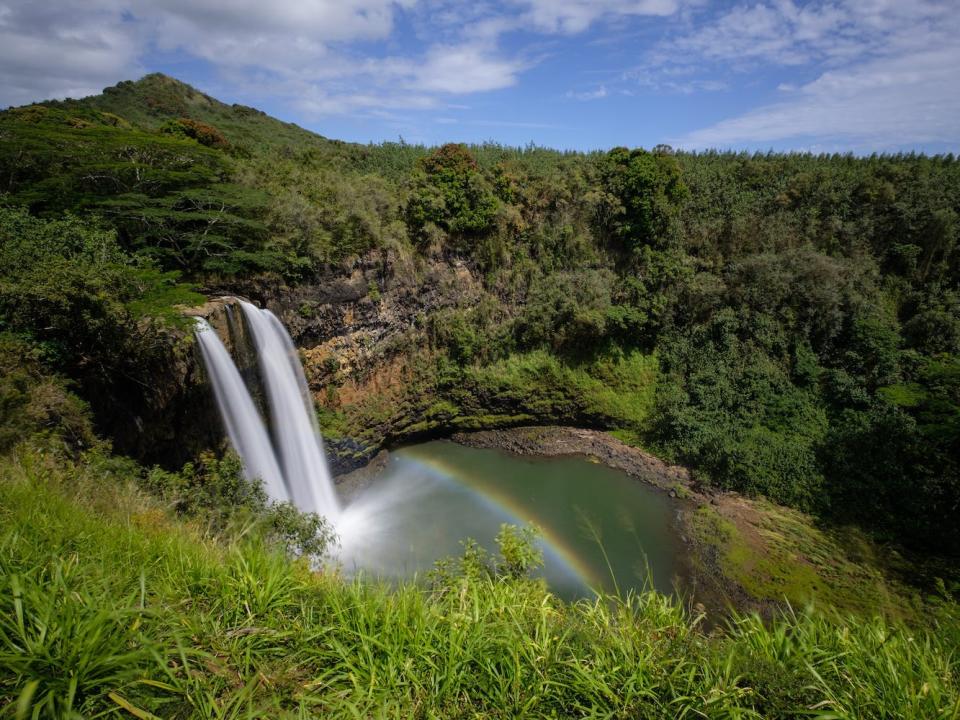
x=244, y=426
x=295, y=432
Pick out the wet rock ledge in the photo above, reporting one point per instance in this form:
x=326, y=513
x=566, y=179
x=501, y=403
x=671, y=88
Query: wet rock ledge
x=553, y=440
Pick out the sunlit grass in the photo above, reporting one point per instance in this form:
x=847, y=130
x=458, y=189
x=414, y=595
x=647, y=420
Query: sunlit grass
x=616, y=390
x=110, y=608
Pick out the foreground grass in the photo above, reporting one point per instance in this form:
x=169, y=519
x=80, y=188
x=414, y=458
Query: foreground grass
x=110, y=608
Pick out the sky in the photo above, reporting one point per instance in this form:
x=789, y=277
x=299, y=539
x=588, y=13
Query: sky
x=846, y=75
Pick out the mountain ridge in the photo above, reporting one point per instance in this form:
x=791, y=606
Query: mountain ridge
x=156, y=98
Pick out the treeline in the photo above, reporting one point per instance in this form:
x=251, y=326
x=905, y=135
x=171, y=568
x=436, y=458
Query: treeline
x=804, y=310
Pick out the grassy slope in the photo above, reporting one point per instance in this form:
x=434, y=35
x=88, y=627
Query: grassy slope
x=107, y=605
x=776, y=554
x=156, y=98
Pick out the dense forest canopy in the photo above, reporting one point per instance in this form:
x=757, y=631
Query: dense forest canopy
x=803, y=311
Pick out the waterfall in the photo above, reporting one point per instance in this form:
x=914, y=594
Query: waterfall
x=295, y=432
x=293, y=466
x=244, y=426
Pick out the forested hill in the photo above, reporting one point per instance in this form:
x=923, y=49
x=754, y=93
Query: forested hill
x=154, y=100
x=786, y=325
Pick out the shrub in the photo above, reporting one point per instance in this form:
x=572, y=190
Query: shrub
x=202, y=132
x=450, y=192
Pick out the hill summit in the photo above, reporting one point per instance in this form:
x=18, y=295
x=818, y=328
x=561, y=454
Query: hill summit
x=156, y=98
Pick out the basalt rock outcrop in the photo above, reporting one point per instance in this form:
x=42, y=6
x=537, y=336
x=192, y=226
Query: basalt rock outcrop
x=358, y=314
x=173, y=417
x=351, y=323
x=356, y=326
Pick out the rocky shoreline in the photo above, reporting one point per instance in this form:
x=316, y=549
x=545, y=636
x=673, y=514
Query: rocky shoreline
x=556, y=440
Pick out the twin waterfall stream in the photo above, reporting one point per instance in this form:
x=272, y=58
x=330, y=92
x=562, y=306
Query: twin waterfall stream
x=288, y=458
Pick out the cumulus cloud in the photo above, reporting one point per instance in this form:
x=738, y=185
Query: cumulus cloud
x=882, y=72
x=308, y=47
x=463, y=69
x=284, y=36
x=76, y=47
x=63, y=49
x=321, y=20
x=318, y=102
x=882, y=104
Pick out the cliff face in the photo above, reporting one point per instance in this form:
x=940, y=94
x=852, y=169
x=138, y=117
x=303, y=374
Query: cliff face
x=362, y=332
x=353, y=318
x=175, y=417
x=168, y=421
x=356, y=325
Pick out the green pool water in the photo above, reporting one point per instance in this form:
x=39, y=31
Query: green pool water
x=601, y=528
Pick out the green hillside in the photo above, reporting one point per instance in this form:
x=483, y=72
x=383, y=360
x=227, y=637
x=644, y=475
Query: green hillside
x=156, y=98
x=787, y=326
x=804, y=310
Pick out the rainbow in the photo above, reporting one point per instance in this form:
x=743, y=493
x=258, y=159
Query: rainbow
x=553, y=543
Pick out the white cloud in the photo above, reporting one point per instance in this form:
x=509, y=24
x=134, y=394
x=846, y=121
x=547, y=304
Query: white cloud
x=574, y=16
x=785, y=33
x=62, y=50
x=76, y=47
x=285, y=36
x=320, y=20
x=780, y=33
x=465, y=69
x=881, y=104
x=343, y=87
x=317, y=102
x=881, y=73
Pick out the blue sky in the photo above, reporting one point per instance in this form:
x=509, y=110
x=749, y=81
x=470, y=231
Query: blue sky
x=864, y=75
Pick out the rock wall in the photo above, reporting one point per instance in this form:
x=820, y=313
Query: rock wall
x=352, y=323
x=356, y=326
x=359, y=313
x=175, y=418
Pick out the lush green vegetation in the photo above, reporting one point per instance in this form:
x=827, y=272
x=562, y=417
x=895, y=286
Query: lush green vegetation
x=786, y=325
x=109, y=607
x=804, y=309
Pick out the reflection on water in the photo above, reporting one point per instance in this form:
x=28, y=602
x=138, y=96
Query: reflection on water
x=600, y=527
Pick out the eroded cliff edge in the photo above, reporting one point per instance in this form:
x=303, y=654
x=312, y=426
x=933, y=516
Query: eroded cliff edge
x=361, y=330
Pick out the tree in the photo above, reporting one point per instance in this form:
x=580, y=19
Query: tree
x=449, y=192
x=650, y=190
